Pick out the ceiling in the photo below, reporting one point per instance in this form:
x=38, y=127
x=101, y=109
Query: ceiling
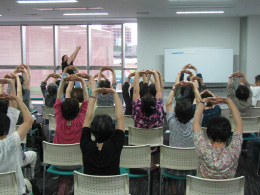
x=125, y=10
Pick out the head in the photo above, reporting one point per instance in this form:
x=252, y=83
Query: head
x=102, y=127
x=148, y=104
x=143, y=89
x=52, y=89
x=58, y=83
x=152, y=89
x=218, y=129
x=64, y=58
x=4, y=106
x=184, y=111
x=206, y=95
x=5, y=125
x=242, y=92
x=70, y=108
x=104, y=84
x=77, y=93
x=257, y=80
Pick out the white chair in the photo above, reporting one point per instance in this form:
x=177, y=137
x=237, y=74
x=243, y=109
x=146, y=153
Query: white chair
x=255, y=111
x=52, y=124
x=8, y=183
x=225, y=112
x=46, y=110
x=258, y=103
x=129, y=121
x=100, y=185
x=250, y=124
x=203, y=186
x=63, y=155
x=139, y=136
x=109, y=110
x=177, y=159
x=136, y=157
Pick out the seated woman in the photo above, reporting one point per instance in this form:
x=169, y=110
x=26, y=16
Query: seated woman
x=106, y=99
x=69, y=116
x=210, y=110
x=102, y=155
x=148, y=110
x=128, y=97
x=180, y=121
x=217, y=160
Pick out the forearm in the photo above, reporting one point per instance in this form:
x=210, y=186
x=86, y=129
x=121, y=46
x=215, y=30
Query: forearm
x=230, y=80
x=119, y=112
x=136, y=94
x=114, y=76
x=196, y=93
x=169, y=101
x=1, y=88
x=177, y=80
x=61, y=89
x=73, y=56
x=85, y=91
x=157, y=82
x=93, y=83
x=197, y=117
x=236, y=116
x=90, y=110
x=19, y=88
x=69, y=89
x=26, y=81
x=46, y=79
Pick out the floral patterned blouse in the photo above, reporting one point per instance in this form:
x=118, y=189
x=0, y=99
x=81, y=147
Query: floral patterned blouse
x=143, y=121
x=217, y=163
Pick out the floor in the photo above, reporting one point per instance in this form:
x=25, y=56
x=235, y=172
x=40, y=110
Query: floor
x=138, y=186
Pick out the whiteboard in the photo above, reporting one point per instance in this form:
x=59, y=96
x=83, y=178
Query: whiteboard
x=215, y=64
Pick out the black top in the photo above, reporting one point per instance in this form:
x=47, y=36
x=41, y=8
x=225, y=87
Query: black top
x=64, y=65
x=105, y=161
x=128, y=100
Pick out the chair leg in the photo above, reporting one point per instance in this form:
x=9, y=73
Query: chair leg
x=257, y=173
x=43, y=186
x=160, y=188
x=149, y=181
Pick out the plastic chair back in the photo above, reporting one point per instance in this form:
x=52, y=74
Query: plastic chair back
x=135, y=157
x=100, y=185
x=129, y=121
x=178, y=158
x=108, y=110
x=8, y=183
x=62, y=154
x=255, y=111
x=250, y=124
x=258, y=103
x=52, y=122
x=203, y=186
x=139, y=136
x=225, y=112
x=46, y=110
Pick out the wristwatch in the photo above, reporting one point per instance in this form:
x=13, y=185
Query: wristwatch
x=205, y=104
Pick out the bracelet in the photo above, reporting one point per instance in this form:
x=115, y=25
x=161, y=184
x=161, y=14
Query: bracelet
x=204, y=103
x=173, y=89
x=92, y=97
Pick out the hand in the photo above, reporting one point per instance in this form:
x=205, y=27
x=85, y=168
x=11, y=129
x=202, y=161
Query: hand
x=70, y=78
x=193, y=67
x=186, y=71
x=84, y=75
x=143, y=72
x=180, y=84
x=196, y=78
x=131, y=75
x=186, y=66
x=109, y=90
x=25, y=66
x=4, y=81
x=56, y=76
x=105, y=68
x=9, y=76
x=159, y=74
x=8, y=96
x=78, y=47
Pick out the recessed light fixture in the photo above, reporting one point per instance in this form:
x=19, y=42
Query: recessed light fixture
x=199, y=12
x=47, y=1
x=84, y=14
x=68, y=8
x=0, y=15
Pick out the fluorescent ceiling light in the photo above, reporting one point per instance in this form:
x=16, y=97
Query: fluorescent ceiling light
x=68, y=8
x=199, y=12
x=47, y=1
x=46, y=27
x=0, y=15
x=84, y=14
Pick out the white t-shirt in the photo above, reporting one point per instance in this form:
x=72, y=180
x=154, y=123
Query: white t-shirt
x=256, y=94
x=13, y=114
x=10, y=158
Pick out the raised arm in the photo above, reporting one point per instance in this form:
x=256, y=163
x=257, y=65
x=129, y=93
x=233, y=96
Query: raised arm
x=169, y=101
x=69, y=89
x=160, y=79
x=136, y=94
x=73, y=55
x=28, y=71
x=19, y=87
x=26, y=78
x=196, y=92
x=61, y=87
x=84, y=86
x=157, y=84
x=113, y=75
x=129, y=77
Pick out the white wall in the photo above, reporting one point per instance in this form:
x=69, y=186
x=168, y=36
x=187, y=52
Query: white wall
x=253, y=48
x=154, y=35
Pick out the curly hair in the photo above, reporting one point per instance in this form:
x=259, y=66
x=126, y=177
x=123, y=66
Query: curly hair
x=70, y=108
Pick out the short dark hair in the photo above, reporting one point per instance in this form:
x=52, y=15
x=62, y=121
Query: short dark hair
x=219, y=129
x=184, y=111
x=52, y=89
x=4, y=106
x=143, y=89
x=148, y=104
x=206, y=95
x=77, y=93
x=257, y=78
x=70, y=108
x=5, y=124
x=62, y=58
x=242, y=92
x=102, y=127
x=104, y=84
x=152, y=89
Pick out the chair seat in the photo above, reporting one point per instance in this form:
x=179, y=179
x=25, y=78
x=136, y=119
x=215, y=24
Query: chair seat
x=54, y=170
x=250, y=137
x=127, y=171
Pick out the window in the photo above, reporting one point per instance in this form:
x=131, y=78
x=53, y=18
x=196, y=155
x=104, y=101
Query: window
x=130, y=45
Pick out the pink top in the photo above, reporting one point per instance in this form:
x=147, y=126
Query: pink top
x=68, y=134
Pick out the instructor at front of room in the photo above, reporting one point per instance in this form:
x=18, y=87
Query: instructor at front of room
x=66, y=61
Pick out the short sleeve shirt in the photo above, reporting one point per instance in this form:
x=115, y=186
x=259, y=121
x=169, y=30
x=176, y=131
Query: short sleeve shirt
x=105, y=161
x=10, y=158
x=13, y=114
x=107, y=100
x=152, y=121
x=217, y=163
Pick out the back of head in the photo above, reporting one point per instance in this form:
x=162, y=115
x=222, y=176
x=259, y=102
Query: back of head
x=4, y=123
x=70, y=108
x=152, y=89
x=148, y=104
x=242, y=92
x=63, y=58
x=104, y=84
x=257, y=80
x=219, y=129
x=52, y=88
x=4, y=106
x=102, y=127
x=77, y=93
x=143, y=89
x=184, y=111
x=206, y=95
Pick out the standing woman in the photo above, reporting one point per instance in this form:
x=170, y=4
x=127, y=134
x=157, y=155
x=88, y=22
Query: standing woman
x=148, y=110
x=102, y=155
x=66, y=61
